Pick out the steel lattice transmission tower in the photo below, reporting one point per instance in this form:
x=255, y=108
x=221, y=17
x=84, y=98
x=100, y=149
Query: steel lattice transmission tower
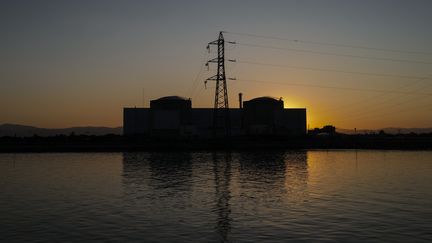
x=221, y=116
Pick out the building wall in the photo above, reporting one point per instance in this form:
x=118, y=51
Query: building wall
x=145, y=121
x=267, y=116
x=166, y=119
x=260, y=114
x=202, y=121
x=136, y=121
x=291, y=121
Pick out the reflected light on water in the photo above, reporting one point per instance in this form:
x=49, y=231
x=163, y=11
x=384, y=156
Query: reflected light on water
x=220, y=196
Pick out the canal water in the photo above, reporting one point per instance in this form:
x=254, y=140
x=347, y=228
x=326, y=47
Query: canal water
x=269, y=196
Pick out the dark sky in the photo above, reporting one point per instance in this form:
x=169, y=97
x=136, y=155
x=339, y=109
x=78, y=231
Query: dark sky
x=73, y=63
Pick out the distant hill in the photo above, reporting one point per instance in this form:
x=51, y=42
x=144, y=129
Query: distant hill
x=389, y=130
x=28, y=131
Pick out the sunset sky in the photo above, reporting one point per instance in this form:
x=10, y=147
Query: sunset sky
x=363, y=64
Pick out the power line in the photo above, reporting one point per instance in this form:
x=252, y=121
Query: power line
x=193, y=88
x=197, y=78
x=383, y=106
x=336, y=87
x=198, y=93
x=377, y=108
x=370, y=99
x=331, y=70
x=333, y=54
x=387, y=103
x=383, y=112
x=332, y=44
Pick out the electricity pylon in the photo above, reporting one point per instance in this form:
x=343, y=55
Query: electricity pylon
x=221, y=116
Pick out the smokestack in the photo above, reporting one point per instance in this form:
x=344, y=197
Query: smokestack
x=240, y=101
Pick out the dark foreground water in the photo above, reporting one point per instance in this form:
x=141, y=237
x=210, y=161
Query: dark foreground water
x=217, y=197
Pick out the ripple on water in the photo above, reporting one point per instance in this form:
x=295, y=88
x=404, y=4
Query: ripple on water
x=273, y=196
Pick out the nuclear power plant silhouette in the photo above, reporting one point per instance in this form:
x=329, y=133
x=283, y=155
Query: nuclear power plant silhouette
x=174, y=116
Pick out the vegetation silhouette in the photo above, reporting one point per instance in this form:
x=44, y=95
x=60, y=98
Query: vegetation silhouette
x=315, y=139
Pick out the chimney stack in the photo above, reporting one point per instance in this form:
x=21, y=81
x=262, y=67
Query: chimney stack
x=240, y=100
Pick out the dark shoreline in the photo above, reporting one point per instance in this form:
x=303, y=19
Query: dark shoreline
x=115, y=143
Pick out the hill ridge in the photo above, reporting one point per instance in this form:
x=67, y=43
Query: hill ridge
x=9, y=129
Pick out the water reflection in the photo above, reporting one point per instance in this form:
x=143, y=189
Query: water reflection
x=134, y=167
x=170, y=170
x=277, y=172
x=206, y=197
x=222, y=179
x=172, y=187
x=262, y=167
x=296, y=176
x=158, y=170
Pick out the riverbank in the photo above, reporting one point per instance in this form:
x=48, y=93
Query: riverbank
x=115, y=143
